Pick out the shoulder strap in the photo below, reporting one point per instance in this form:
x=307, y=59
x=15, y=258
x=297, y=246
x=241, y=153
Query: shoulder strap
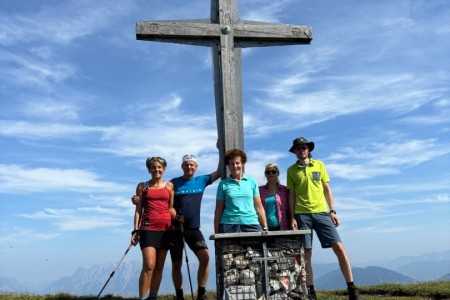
x=165, y=185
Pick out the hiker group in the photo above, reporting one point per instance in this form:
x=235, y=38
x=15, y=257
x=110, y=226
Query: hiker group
x=167, y=214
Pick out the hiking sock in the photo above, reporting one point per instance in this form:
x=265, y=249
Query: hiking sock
x=353, y=293
x=143, y=297
x=152, y=296
x=179, y=293
x=201, y=291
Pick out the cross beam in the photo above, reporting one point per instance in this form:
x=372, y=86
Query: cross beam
x=226, y=34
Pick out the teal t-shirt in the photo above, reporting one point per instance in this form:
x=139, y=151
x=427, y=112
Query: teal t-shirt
x=239, y=203
x=271, y=211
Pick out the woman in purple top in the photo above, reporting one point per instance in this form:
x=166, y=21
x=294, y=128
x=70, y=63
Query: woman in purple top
x=274, y=197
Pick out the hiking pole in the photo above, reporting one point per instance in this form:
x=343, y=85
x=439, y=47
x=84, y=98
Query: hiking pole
x=187, y=260
x=133, y=243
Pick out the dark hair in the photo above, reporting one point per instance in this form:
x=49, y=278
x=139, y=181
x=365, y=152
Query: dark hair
x=309, y=152
x=229, y=154
x=149, y=161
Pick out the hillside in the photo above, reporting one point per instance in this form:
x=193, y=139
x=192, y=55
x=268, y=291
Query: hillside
x=417, y=291
x=364, y=276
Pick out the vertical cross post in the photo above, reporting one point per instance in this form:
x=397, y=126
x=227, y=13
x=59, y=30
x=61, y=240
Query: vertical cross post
x=226, y=34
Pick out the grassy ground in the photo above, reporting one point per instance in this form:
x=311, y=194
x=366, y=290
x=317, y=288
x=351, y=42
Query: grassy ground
x=418, y=291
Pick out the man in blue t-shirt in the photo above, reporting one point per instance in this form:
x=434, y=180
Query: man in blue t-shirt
x=189, y=191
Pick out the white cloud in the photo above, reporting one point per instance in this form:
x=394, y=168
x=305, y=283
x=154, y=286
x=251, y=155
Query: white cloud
x=129, y=139
x=26, y=71
x=44, y=52
x=51, y=109
x=20, y=236
x=168, y=103
x=44, y=131
x=22, y=179
x=61, y=23
x=368, y=161
x=264, y=11
x=358, y=171
x=387, y=230
x=80, y=219
x=387, y=92
x=381, y=191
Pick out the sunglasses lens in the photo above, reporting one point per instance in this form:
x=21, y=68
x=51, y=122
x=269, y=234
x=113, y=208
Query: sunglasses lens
x=301, y=147
x=271, y=172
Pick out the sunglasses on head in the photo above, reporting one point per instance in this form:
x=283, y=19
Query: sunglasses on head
x=273, y=172
x=161, y=160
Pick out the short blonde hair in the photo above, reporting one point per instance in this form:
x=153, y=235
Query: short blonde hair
x=272, y=165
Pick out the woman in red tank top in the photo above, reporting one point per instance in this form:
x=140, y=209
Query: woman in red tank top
x=153, y=222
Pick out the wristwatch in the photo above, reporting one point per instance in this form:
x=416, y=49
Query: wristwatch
x=332, y=211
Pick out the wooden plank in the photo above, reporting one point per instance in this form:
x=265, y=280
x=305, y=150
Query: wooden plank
x=187, y=30
x=301, y=34
x=168, y=30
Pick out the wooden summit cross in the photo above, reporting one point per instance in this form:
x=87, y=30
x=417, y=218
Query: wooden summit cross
x=225, y=33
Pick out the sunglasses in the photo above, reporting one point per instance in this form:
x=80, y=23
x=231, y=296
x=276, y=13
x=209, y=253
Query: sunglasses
x=301, y=148
x=160, y=159
x=273, y=172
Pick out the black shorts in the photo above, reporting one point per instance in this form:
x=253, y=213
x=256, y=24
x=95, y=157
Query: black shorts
x=156, y=239
x=194, y=239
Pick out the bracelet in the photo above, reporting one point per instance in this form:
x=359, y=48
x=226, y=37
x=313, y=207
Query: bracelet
x=265, y=229
x=134, y=231
x=332, y=211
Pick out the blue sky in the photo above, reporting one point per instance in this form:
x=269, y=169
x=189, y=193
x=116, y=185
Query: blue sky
x=83, y=104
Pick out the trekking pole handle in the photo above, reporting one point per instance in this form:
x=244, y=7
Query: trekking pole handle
x=180, y=220
x=182, y=227
x=135, y=237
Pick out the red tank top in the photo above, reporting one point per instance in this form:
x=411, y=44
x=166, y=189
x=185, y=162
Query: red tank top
x=156, y=215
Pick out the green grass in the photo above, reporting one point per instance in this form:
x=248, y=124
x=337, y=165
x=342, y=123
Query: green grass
x=419, y=291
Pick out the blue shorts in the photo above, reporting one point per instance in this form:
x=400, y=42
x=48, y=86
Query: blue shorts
x=236, y=228
x=322, y=224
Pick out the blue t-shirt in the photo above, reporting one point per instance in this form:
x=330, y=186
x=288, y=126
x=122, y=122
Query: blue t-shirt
x=188, y=198
x=239, y=203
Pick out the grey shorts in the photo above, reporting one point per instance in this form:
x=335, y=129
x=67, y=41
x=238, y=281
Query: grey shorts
x=236, y=228
x=322, y=224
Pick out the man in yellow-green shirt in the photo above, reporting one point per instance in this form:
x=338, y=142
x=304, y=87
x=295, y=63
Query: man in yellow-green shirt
x=311, y=206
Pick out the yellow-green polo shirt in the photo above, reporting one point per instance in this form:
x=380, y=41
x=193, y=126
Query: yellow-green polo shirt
x=307, y=181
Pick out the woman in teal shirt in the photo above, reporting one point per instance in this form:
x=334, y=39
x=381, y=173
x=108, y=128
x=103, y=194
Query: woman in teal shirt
x=238, y=204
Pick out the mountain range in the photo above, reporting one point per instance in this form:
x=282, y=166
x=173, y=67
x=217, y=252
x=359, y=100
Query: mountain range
x=89, y=280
